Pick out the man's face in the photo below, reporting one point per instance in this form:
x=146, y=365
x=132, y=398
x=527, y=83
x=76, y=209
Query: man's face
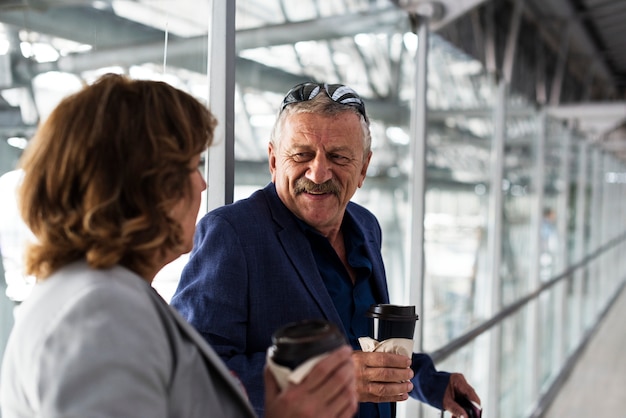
x=317, y=165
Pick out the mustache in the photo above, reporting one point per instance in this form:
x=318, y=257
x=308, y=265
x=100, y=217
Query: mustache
x=304, y=185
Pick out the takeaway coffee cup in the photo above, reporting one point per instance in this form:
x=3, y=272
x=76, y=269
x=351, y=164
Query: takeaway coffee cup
x=393, y=321
x=297, y=342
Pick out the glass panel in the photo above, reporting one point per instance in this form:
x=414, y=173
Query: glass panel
x=573, y=202
x=548, y=333
x=69, y=44
x=581, y=192
x=589, y=244
x=612, y=225
x=519, y=194
x=456, y=201
x=554, y=189
x=515, y=364
x=473, y=359
x=552, y=255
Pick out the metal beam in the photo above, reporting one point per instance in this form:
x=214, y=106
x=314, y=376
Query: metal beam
x=563, y=51
x=596, y=119
x=491, y=62
x=511, y=44
x=81, y=23
x=220, y=162
x=566, y=12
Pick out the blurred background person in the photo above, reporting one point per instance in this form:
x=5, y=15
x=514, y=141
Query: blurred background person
x=549, y=244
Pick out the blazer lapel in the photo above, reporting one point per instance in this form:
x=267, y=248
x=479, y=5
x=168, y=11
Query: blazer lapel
x=298, y=251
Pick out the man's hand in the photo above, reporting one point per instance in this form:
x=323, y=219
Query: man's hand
x=382, y=377
x=328, y=390
x=458, y=386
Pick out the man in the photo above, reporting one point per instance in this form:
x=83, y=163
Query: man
x=299, y=249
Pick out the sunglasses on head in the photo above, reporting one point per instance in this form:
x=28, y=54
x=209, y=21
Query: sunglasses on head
x=337, y=92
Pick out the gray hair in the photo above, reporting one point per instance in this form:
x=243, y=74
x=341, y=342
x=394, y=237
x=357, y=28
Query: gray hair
x=322, y=105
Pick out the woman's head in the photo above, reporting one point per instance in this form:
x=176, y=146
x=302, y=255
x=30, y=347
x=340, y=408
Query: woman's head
x=105, y=172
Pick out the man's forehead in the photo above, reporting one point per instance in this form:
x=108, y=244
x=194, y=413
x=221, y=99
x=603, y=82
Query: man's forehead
x=327, y=129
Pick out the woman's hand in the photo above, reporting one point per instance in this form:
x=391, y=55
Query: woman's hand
x=329, y=390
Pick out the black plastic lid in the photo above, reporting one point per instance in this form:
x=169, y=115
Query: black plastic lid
x=298, y=341
x=392, y=312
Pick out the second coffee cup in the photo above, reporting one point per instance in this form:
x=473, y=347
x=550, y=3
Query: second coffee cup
x=297, y=342
x=393, y=321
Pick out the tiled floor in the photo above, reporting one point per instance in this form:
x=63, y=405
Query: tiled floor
x=596, y=386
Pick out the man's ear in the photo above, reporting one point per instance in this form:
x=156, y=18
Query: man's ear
x=366, y=164
x=271, y=154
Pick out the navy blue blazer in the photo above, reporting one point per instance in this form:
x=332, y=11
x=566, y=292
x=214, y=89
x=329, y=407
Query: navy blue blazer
x=252, y=271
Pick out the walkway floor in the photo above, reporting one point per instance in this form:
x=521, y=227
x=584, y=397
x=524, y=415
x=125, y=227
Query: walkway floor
x=596, y=386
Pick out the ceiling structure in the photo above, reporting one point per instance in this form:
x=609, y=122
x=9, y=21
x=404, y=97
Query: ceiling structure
x=603, y=22
x=587, y=33
x=598, y=43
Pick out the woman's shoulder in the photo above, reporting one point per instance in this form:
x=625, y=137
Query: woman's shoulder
x=81, y=307
x=78, y=291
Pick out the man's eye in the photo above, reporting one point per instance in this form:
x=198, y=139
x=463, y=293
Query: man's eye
x=300, y=157
x=339, y=159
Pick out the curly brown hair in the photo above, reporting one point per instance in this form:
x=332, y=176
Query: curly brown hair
x=103, y=172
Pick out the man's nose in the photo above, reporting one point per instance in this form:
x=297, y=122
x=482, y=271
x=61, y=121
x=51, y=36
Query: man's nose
x=320, y=169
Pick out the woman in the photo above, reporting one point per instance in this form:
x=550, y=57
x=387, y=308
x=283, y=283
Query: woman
x=111, y=191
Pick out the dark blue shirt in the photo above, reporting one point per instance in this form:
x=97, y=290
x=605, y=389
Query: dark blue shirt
x=350, y=300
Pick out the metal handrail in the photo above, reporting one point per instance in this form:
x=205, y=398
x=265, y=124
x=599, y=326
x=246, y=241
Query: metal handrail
x=459, y=342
